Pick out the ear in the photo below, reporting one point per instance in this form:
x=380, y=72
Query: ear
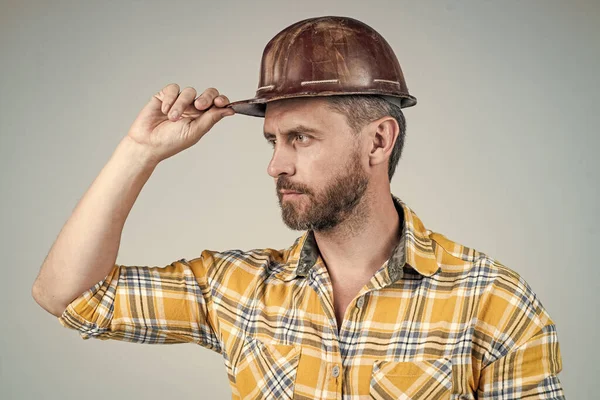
x=383, y=134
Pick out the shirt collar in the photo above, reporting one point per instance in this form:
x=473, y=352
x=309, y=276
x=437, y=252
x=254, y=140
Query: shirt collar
x=414, y=248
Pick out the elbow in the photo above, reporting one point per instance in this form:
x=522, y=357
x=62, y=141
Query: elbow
x=41, y=298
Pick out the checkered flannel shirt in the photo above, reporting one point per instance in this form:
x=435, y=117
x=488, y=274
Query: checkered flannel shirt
x=438, y=320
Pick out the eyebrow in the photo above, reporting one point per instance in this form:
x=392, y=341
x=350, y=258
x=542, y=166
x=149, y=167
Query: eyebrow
x=295, y=130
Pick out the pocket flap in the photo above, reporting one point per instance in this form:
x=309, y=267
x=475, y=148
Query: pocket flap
x=417, y=379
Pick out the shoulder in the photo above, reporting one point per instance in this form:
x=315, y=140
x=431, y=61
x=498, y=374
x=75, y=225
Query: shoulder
x=466, y=263
x=506, y=308
x=246, y=265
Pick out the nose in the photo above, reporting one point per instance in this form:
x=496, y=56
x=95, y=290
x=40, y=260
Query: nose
x=282, y=162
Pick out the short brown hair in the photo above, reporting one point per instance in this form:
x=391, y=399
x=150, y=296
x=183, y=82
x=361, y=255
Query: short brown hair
x=362, y=109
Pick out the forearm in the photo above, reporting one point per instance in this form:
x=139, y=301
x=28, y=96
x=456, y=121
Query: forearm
x=87, y=245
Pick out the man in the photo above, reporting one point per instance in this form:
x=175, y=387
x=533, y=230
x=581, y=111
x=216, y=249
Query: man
x=367, y=303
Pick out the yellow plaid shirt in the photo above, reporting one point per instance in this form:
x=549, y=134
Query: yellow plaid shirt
x=438, y=320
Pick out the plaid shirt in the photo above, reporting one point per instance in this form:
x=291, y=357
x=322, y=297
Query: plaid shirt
x=438, y=320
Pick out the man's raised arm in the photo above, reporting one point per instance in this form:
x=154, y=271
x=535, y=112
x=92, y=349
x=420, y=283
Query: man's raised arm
x=86, y=248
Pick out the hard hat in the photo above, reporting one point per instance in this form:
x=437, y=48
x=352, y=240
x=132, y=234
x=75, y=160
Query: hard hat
x=327, y=56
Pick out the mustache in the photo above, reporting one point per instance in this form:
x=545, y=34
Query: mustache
x=284, y=185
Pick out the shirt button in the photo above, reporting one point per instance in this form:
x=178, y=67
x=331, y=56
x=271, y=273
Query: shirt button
x=360, y=301
x=335, y=371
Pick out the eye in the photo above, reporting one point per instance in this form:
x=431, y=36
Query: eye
x=303, y=136
x=299, y=135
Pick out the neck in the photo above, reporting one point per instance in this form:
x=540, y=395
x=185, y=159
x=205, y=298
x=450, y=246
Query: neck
x=358, y=247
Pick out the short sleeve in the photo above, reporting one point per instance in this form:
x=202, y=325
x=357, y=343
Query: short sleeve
x=522, y=355
x=153, y=305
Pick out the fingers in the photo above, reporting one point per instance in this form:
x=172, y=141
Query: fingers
x=210, y=117
x=176, y=103
x=206, y=99
x=168, y=95
x=185, y=98
x=221, y=101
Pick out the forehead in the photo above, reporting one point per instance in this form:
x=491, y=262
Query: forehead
x=311, y=113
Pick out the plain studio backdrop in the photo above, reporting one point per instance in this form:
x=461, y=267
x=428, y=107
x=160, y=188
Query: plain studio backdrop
x=500, y=155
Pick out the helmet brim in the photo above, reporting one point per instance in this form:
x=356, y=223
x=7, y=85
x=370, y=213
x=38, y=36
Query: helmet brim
x=256, y=107
x=253, y=107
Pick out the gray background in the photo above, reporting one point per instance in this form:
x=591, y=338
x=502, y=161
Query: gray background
x=501, y=155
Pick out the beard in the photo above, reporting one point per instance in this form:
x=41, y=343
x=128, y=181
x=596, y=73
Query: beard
x=326, y=210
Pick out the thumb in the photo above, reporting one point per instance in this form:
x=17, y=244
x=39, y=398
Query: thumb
x=152, y=108
x=209, y=118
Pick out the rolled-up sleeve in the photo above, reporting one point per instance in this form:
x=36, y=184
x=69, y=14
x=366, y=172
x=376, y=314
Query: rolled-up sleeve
x=527, y=372
x=153, y=305
x=521, y=357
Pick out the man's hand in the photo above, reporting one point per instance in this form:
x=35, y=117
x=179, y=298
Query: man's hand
x=173, y=121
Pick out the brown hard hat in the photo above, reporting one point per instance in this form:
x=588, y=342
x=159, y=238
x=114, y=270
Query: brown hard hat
x=327, y=56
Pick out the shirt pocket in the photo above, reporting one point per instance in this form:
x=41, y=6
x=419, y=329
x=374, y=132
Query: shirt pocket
x=266, y=370
x=423, y=379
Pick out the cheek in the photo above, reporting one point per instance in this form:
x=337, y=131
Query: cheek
x=319, y=161
x=325, y=170
x=319, y=164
